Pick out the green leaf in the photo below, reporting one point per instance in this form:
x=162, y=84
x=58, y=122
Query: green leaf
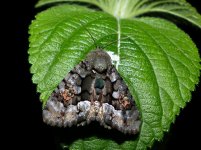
x=45, y=2
x=158, y=61
x=95, y=143
x=134, y=8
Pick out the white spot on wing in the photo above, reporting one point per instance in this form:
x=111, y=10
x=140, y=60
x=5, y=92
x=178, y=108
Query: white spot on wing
x=115, y=58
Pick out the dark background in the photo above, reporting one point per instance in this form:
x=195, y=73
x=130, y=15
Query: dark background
x=24, y=128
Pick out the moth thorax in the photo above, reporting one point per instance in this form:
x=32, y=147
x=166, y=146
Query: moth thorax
x=100, y=60
x=100, y=65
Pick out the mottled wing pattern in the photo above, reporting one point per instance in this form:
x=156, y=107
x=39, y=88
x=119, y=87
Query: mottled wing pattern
x=93, y=91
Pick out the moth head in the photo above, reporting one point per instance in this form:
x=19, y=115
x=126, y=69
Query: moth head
x=100, y=60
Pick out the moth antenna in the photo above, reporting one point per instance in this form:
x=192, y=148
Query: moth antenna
x=114, y=42
x=90, y=35
x=96, y=45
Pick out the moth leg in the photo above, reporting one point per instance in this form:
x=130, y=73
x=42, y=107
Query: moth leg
x=100, y=98
x=93, y=96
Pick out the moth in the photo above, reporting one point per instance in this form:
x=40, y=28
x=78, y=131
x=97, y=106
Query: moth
x=93, y=91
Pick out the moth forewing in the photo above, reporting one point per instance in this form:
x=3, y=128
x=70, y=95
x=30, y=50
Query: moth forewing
x=93, y=91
